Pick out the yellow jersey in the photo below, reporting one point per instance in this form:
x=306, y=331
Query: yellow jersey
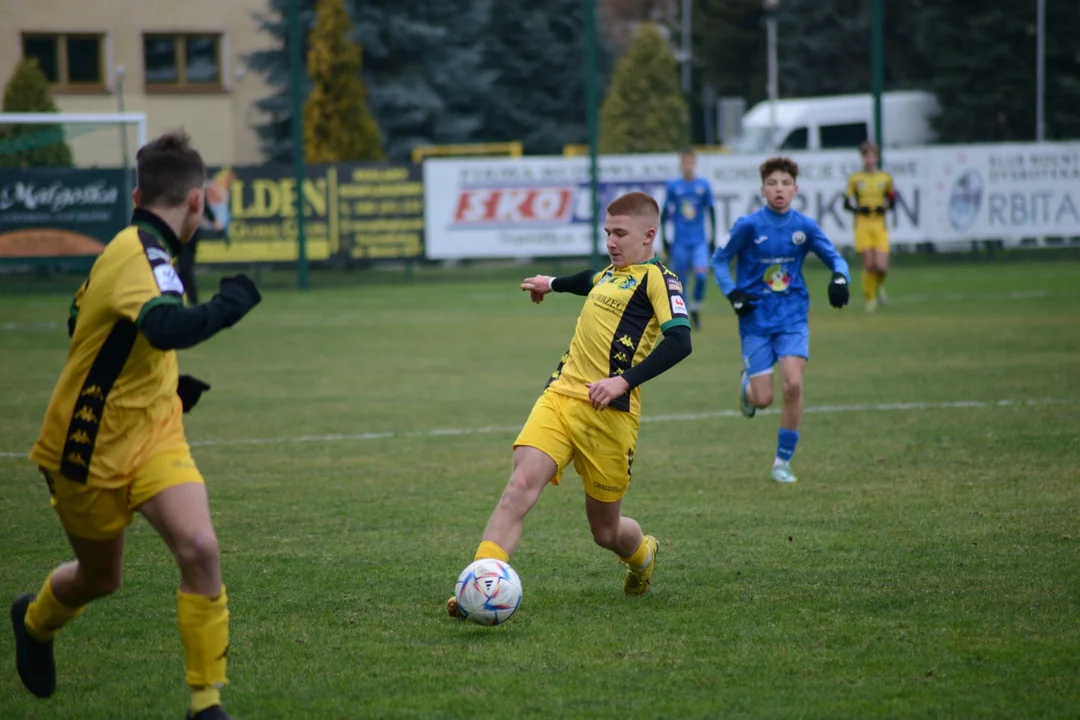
x=115, y=405
x=625, y=316
x=870, y=190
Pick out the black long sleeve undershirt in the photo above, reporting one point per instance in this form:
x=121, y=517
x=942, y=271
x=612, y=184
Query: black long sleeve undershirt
x=674, y=348
x=577, y=284
x=173, y=327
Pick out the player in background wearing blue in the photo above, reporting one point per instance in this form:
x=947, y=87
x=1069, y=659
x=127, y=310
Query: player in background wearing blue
x=687, y=200
x=771, y=300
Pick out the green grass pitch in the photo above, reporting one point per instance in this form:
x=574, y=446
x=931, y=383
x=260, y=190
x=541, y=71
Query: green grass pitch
x=926, y=564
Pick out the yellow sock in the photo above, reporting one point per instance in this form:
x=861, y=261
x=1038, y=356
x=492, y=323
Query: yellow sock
x=869, y=284
x=489, y=549
x=202, y=698
x=46, y=615
x=641, y=557
x=204, y=630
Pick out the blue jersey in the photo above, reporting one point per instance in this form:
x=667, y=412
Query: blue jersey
x=770, y=248
x=685, y=205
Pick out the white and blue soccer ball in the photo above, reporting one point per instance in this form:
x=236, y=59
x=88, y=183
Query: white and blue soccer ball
x=488, y=592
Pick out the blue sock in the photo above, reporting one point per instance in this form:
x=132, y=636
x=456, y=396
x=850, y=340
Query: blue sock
x=786, y=440
x=699, y=288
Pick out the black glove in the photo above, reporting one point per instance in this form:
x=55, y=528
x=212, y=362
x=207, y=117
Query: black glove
x=239, y=295
x=741, y=302
x=865, y=211
x=839, y=293
x=190, y=390
x=879, y=210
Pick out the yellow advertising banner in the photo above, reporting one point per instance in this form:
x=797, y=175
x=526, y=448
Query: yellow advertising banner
x=352, y=211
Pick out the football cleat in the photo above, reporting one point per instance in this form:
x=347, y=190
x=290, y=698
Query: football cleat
x=452, y=609
x=33, y=658
x=214, y=712
x=638, y=581
x=745, y=405
x=781, y=473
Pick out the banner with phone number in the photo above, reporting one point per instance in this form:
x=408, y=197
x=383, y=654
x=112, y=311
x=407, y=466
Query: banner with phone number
x=353, y=211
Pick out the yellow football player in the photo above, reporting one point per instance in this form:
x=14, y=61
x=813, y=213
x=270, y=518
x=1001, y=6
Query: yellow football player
x=113, y=442
x=870, y=194
x=634, y=326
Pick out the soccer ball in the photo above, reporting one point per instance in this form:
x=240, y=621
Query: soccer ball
x=488, y=592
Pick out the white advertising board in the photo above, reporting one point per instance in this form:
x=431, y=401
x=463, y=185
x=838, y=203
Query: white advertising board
x=539, y=206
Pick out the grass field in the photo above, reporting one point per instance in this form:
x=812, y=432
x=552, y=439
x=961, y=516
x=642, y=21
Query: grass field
x=926, y=564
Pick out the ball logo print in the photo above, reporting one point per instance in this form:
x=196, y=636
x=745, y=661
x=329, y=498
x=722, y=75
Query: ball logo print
x=488, y=592
x=965, y=199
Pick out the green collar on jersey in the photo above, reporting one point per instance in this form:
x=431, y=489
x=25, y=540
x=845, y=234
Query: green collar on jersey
x=157, y=227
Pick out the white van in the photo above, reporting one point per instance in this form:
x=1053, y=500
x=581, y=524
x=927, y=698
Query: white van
x=837, y=121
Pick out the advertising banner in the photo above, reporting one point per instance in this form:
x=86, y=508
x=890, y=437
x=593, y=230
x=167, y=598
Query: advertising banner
x=60, y=212
x=352, y=211
x=537, y=207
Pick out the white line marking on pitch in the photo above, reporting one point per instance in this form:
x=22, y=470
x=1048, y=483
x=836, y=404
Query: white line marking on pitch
x=682, y=417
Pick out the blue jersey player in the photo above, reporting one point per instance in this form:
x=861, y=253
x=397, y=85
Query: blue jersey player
x=687, y=200
x=771, y=300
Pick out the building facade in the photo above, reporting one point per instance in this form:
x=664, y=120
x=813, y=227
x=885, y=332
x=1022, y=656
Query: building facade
x=180, y=63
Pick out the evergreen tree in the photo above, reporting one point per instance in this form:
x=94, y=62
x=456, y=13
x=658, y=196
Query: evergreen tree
x=337, y=124
x=538, y=96
x=982, y=62
x=31, y=145
x=424, y=68
x=644, y=110
x=729, y=42
x=275, y=134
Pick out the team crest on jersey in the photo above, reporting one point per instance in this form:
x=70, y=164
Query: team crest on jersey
x=628, y=284
x=689, y=210
x=799, y=237
x=777, y=278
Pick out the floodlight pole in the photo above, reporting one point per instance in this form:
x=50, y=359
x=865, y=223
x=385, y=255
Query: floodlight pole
x=591, y=121
x=877, y=69
x=773, y=87
x=296, y=69
x=1040, y=71
x=128, y=201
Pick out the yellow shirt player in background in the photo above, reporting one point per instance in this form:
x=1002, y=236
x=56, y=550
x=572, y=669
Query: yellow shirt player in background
x=870, y=194
x=113, y=443
x=633, y=327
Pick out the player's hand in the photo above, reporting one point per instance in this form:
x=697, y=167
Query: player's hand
x=190, y=390
x=240, y=295
x=537, y=287
x=604, y=391
x=865, y=211
x=839, y=292
x=742, y=302
x=879, y=210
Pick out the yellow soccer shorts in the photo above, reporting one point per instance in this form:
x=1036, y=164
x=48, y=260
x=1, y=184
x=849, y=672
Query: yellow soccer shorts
x=96, y=513
x=871, y=236
x=600, y=443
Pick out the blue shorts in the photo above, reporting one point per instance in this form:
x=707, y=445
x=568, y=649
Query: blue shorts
x=760, y=352
x=685, y=258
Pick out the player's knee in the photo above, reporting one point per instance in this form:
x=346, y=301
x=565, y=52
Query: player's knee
x=198, y=551
x=103, y=583
x=604, y=535
x=519, y=488
x=792, y=389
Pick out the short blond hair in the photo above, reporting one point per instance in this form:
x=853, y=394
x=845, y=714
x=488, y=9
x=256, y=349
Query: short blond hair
x=635, y=204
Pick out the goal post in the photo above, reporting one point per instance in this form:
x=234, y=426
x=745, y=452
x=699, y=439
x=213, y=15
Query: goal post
x=65, y=184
